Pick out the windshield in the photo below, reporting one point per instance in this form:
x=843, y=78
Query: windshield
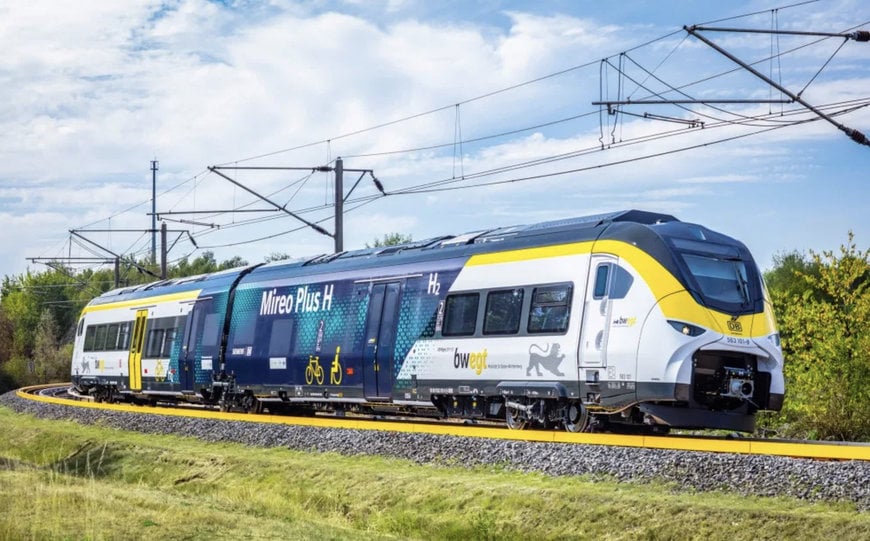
x=722, y=280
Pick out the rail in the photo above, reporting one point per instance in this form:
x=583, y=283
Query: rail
x=52, y=393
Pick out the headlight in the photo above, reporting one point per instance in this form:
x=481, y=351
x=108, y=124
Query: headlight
x=775, y=339
x=686, y=328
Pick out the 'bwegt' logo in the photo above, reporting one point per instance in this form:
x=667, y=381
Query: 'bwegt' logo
x=476, y=360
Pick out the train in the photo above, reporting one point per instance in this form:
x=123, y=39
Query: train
x=630, y=320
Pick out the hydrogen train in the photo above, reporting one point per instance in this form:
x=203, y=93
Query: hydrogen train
x=631, y=320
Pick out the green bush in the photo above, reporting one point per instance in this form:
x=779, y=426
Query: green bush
x=824, y=317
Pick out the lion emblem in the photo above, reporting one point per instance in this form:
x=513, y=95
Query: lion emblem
x=549, y=358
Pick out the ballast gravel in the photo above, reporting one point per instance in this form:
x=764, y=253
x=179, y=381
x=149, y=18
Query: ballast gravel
x=805, y=479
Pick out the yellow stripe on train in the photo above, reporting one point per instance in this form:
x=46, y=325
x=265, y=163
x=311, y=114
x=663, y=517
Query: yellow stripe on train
x=145, y=302
x=675, y=302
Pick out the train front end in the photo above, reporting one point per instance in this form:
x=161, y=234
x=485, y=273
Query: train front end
x=717, y=321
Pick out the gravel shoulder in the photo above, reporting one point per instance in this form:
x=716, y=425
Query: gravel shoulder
x=804, y=479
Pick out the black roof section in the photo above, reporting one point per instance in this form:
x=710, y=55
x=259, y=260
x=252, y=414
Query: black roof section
x=500, y=234
x=171, y=285
x=556, y=231
x=575, y=224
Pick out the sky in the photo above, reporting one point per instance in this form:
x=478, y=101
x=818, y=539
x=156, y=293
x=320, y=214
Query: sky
x=472, y=115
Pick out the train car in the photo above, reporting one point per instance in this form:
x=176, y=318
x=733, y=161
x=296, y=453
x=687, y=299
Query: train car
x=629, y=320
x=133, y=342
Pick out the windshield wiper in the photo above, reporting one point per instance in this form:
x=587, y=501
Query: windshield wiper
x=742, y=284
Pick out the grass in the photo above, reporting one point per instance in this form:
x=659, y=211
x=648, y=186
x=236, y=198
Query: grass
x=61, y=480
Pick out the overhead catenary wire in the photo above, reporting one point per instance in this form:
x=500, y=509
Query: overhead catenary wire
x=852, y=133
x=370, y=199
x=737, y=69
x=679, y=89
x=498, y=135
x=472, y=175
x=828, y=61
x=426, y=187
x=570, y=69
x=650, y=73
x=760, y=12
x=443, y=107
x=144, y=249
x=601, y=166
x=640, y=85
x=594, y=148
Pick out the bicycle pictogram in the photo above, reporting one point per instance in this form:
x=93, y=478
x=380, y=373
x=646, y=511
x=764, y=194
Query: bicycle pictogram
x=314, y=371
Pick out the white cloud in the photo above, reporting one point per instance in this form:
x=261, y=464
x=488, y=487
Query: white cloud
x=92, y=93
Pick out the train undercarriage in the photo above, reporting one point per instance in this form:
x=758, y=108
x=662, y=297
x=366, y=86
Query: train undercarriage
x=726, y=390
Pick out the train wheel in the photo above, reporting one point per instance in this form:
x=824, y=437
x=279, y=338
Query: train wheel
x=250, y=403
x=515, y=419
x=576, y=417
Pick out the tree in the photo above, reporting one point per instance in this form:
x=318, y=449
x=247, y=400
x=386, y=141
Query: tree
x=39, y=312
x=391, y=239
x=6, y=342
x=232, y=263
x=789, y=269
x=277, y=256
x=6, y=331
x=825, y=339
x=50, y=361
x=25, y=297
x=203, y=264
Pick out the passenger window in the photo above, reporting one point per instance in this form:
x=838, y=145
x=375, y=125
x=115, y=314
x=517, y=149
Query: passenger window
x=124, y=337
x=550, y=309
x=211, y=330
x=503, y=312
x=168, y=340
x=281, y=338
x=601, y=273
x=90, y=337
x=100, y=341
x=154, y=343
x=243, y=334
x=193, y=333
x=112, y=337
x=460, y=315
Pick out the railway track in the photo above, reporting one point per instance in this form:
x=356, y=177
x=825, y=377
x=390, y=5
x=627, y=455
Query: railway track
x=58, y=394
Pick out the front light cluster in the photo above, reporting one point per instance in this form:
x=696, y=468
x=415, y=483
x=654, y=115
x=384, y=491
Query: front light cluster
x=775, y=339
x=686, y=328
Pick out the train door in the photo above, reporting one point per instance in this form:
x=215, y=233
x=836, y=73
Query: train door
x=596, y=312
x=136, y=345
x=187, y=359
x=380, y=340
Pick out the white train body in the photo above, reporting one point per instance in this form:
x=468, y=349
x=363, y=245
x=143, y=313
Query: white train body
x=631, y=319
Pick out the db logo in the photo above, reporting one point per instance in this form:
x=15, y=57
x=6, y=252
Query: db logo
x=735, y=326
